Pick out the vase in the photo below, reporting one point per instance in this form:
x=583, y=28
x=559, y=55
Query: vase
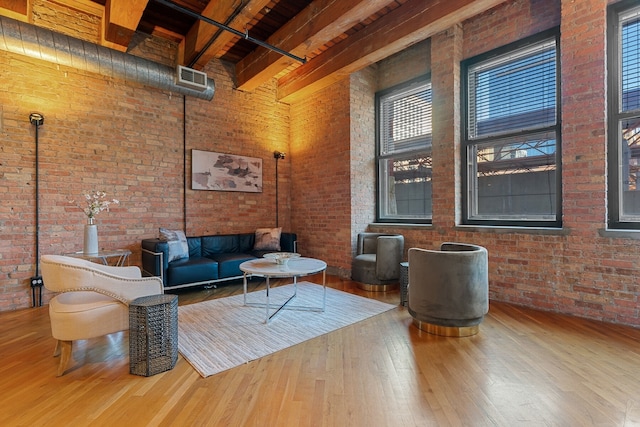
x=90, y=238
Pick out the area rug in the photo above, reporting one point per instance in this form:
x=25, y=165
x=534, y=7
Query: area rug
x=220, y=334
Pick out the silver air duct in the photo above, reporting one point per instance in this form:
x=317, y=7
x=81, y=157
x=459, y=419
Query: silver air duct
x=40, y=43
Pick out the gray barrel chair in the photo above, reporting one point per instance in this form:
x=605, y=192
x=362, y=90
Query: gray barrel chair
x=449, y=288
x=376, y=266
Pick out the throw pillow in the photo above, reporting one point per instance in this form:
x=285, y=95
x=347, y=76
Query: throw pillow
x=267, y=239
x=177, y=241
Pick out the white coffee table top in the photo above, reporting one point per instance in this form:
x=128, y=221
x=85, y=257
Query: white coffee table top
x=294, y=267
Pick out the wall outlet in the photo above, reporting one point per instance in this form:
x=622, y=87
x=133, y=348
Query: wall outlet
x=36, y=282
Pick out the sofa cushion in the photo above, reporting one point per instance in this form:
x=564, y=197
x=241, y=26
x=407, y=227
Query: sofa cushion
x=221, y=244
x=229, y=263
x=245, y=242
x=195, y=247
x=190, y=270
x=267, y=239
x=178, y=246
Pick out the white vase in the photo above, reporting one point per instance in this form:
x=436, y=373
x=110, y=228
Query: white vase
x=90, y=238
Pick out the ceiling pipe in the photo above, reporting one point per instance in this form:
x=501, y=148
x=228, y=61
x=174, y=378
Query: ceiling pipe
x=244, y=35
x=40, y=43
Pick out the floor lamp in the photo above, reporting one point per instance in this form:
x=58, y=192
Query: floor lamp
x=37, y=120
x=277, y=155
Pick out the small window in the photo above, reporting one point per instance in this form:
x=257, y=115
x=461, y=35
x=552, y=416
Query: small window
x=624, y=115
x=403, y=117
x=511, y=135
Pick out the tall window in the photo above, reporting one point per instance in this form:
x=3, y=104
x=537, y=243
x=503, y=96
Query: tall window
x=511, y=135
x=624, y=115
x=403, y=117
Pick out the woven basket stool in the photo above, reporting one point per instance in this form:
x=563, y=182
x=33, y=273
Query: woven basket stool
x=153, y=334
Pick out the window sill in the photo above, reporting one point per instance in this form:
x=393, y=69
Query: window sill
x=619, y=234
x=543, y=231
x=399, y=225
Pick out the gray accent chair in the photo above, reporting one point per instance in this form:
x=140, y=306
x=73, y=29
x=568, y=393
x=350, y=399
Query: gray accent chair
x=449, y=288
x=376, y=265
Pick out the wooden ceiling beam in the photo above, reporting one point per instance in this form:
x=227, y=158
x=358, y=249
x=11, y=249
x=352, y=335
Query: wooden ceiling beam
x=322, y=20
x=196, y=54
x=121, y=19
x=414, y=21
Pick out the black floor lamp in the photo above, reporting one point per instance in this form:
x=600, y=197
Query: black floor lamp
x=277, y=155
x=37, y=120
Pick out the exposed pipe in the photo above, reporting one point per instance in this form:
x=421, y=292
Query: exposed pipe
x=40, y=43
x=229, y=29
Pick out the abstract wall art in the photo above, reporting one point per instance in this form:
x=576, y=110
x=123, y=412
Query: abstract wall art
x=225, y=172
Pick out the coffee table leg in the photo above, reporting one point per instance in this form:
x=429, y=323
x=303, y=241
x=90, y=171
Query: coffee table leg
x=324, y=289
x=244, y=287
x=268, y=301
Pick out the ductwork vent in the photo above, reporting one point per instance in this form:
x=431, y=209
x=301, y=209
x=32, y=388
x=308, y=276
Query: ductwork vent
x=188, y=77
x=40, y=43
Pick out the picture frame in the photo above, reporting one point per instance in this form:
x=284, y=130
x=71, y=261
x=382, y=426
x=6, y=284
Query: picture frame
x=225, y=172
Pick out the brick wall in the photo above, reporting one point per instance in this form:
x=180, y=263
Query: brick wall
x=128, y=140
x=581, y=270
x=320, y=185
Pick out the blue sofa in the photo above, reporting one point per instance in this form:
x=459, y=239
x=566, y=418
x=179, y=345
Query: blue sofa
x=212, y=259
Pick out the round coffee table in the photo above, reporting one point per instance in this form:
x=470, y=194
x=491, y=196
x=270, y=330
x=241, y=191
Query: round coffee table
x=294, y=268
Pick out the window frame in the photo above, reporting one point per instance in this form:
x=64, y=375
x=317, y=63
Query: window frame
x=615, y=116
x=467, y=142
x=427, y=151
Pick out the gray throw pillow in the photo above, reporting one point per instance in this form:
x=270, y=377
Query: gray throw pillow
x=177, y=241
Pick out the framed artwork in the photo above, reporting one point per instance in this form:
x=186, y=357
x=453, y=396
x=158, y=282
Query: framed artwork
x=225, y=172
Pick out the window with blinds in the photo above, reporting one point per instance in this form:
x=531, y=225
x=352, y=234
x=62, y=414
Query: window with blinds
x=630, y=61
x=512, y=134
x=624, y=115
x=403, y=115
x=513, y=93
x=405, y=120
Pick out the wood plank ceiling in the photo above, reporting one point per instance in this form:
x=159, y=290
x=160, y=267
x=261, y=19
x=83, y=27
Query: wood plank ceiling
x=336, y=37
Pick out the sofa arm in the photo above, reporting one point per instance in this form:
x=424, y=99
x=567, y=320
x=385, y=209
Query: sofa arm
x=155, y=256
x=288, y=242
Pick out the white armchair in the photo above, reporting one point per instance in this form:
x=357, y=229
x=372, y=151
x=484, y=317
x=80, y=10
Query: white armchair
x=93, y=299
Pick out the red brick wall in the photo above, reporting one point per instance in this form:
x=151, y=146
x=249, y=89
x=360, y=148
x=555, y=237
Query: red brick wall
x=363, y=139
x=320, y=184
x=581, y=270
x=125, y=139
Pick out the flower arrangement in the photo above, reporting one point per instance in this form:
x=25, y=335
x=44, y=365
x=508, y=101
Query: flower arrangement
x=96, y=202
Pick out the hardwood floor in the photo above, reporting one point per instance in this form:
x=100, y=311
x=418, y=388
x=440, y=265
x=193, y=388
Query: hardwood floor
x=524, y=368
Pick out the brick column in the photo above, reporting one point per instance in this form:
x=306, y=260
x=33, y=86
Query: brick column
x=584, y=144
x=446, y=50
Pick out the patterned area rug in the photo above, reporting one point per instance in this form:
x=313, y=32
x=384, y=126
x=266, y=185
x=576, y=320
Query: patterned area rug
x=220, y=334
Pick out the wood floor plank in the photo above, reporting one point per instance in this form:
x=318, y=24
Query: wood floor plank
x=525, y=367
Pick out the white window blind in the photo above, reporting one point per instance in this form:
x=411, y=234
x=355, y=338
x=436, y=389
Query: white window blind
x=405, y=120
x=630, y=57
x=515, y=92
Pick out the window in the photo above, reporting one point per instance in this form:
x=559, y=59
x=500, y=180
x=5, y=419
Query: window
x=624, y=115
x=403, y=118
x=511, y=135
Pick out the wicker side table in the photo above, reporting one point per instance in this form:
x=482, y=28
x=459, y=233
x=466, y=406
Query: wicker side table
x=153, y=334
x=404, y=283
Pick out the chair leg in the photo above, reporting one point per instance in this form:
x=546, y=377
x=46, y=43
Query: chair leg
x=64, y=350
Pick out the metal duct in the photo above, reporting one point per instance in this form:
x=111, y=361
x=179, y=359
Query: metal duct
x=41, y=43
